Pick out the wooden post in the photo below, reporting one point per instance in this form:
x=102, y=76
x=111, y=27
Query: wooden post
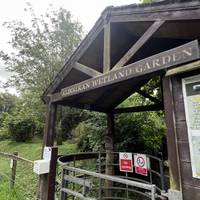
x=171, y=134
x=109, y=147
x=49, y=131
x=47, y=181
x=13, y=171
x=106, y=52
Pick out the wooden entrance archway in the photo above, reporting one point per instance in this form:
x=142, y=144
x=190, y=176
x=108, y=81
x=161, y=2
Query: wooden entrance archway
x=127, y=47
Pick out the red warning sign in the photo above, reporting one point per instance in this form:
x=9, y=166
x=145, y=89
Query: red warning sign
x=126, y=162
x=140, y=161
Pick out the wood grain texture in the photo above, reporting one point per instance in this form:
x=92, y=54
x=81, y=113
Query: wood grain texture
x=106, y=53
x=144, y=38
x=87, y=70
x=171, y=134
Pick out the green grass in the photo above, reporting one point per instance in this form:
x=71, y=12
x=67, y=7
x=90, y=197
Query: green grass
x=26, y=180
x=7, y=194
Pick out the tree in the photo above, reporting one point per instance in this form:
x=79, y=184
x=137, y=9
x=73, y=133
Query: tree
x=40, y=50
x=7, y=102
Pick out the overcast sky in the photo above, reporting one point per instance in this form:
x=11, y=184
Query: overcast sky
x=86, y=11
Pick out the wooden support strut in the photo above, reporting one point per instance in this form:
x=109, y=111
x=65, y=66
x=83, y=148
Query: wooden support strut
x=145, y=37
x=154, y=107
x=171, y=133
x=144, y=94
x=86, y=70
x=106, y=52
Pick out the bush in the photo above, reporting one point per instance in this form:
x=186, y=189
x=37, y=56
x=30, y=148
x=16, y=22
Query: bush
x=21, y=129
x=89, y=136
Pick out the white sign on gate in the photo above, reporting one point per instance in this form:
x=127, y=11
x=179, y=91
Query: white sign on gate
x=141, y=166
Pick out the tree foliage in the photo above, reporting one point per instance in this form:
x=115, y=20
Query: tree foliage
x=7, y=102
x=41, y=49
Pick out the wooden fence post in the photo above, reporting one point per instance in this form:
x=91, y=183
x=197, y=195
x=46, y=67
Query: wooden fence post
x=13, y=170
x=48, y=181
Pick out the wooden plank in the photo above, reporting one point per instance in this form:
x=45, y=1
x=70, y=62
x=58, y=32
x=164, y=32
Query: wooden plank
x=171, y=134
x=154, y=107
x=106, y=51
x=86, y=70
x=148, y=96
x=56, y=97
x=158, y=62
x=170, y=12
x=184, y=68
x=145, y=37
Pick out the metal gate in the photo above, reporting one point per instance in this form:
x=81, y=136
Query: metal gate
x=82, y=176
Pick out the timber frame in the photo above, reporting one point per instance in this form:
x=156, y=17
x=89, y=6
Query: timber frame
x=127, y=47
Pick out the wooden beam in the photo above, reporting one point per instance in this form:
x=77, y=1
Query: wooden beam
x=109, y=147
x=184, y=68
x=170, y=12
x=86, y=70
x=106, y=51
x=176, y=56
x=171, y=133
x=145, y=37
x=49, y=131
x=144, y=94
x=154, y=107
x=47, y=181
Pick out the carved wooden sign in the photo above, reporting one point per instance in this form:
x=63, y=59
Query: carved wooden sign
x=166, y=59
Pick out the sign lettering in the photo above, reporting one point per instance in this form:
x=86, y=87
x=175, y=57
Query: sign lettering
x=179, y=55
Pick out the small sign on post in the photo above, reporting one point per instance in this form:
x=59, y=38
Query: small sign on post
x=47, y=153
x=11, y=163
x=140, y=162
x=126, y=162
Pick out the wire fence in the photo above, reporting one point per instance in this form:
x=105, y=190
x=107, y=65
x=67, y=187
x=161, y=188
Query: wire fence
x=16, y=174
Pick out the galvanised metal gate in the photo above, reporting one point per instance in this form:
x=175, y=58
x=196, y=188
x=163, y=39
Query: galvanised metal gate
x=81, y=176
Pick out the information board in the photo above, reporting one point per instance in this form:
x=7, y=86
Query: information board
x=191, y=91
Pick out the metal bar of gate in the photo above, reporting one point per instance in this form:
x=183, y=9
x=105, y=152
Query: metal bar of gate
x=150, y=187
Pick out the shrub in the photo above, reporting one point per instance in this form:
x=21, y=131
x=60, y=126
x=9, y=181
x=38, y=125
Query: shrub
x=89, y=136
x=21, y=129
